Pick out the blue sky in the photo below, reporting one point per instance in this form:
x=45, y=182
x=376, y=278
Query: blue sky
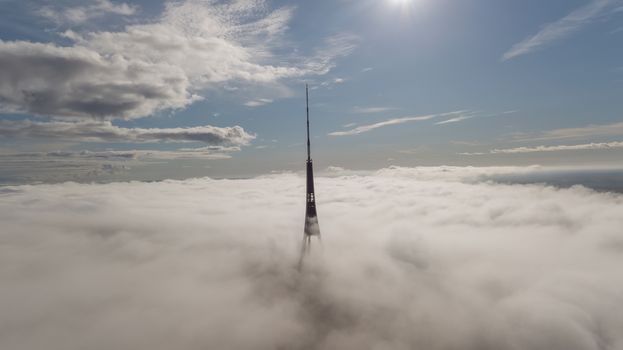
x=149, y=90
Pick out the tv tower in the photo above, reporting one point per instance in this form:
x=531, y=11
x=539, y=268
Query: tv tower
x=311, y=216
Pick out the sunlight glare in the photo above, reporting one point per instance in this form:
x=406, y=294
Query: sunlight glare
x=404, y=5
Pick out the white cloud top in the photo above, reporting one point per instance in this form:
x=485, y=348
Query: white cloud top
x=412, y=258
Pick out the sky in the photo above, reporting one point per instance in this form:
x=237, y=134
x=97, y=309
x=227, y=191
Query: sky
x=468, y=160
x=147, y=90
x=411, y=258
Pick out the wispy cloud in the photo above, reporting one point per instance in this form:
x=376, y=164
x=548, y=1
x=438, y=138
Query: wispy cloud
x=558, y=148
x=329, y=84
x=370, y=110
x=258, y=102
x=560, y=29
x=365, y=128
x=455, y=119
x=614, y=129
x=617, y=30
x=81, y=14
x=473, y=114
x=335, y=47
x=586, y=146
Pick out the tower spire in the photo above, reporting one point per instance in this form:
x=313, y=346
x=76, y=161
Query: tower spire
x=307, y=109
x=311, y=216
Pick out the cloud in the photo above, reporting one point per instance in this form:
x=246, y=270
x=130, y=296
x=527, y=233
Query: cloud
x=466, y=115
x=258, y=102
x=106, y=132
x=370, y=110
x=329, y=84
x=455, y=120
x=77, y=82
x=213, y=152
x=365, y=128
x=409, y=260
x=81, y=14
x=165, y=64
x=415, y=150
x=104, y=165
x=560, y=29
x=335, y=47
x=614, y=129
x=617, y=30
x=586, y=146
x=558, y=148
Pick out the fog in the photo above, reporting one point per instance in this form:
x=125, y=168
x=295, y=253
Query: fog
x=417, y=258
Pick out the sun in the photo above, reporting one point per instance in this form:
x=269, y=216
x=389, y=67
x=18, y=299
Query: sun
x=404, y=4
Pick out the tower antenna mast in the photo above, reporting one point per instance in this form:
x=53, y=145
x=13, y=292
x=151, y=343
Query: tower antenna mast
x=311, y=216
x=307, y=110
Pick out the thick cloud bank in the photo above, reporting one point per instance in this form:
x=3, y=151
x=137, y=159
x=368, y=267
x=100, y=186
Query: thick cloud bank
x=411, y=259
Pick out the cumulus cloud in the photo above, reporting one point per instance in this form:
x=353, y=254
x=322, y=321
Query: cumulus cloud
x=409, y=260
x=561, y=28
x=77, y=82
x=365, y=128
x=106, y=132
x=164, y=64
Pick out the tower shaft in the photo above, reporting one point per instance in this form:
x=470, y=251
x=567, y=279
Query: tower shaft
x=311, y=216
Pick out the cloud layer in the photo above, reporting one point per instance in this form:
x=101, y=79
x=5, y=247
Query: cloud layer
x=412, y=258
x=106, y=132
